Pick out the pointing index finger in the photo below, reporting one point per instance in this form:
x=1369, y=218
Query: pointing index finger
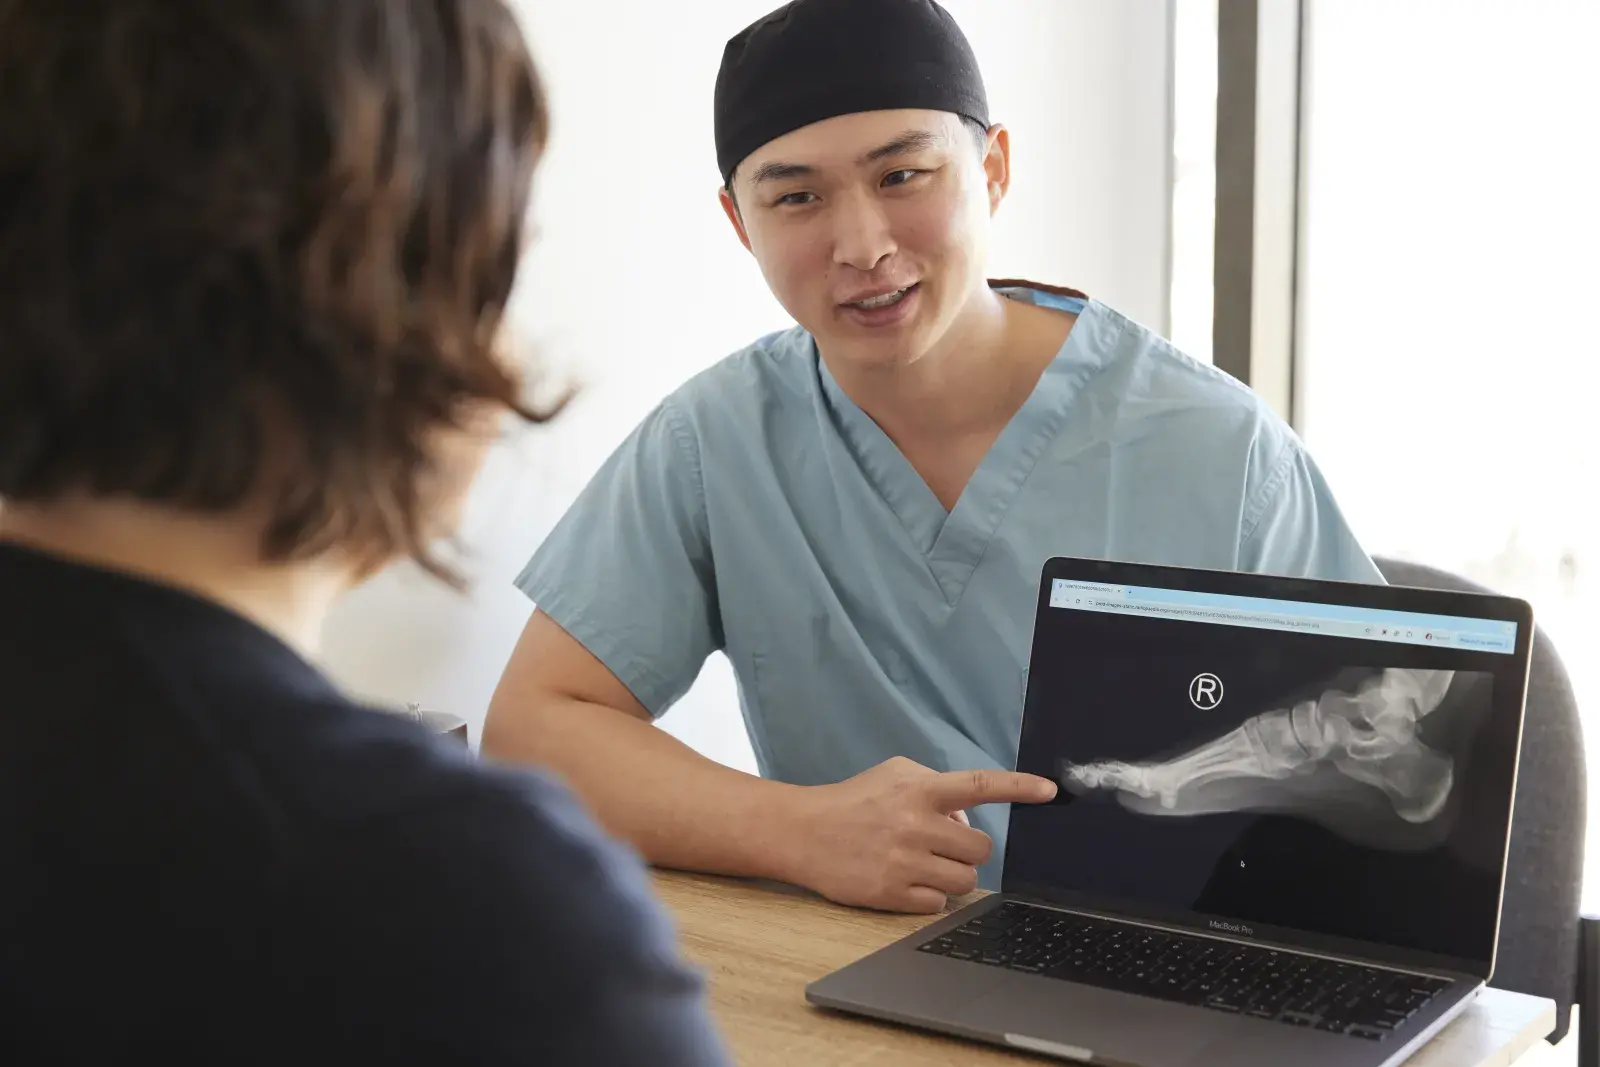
x=958, y=790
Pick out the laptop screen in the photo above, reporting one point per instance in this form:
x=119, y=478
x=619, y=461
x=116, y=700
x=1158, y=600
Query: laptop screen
x=1268, y=765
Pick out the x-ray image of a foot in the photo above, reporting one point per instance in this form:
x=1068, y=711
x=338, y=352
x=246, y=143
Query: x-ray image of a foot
x=1369, y=735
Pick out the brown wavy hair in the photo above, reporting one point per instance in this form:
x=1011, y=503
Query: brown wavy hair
x=259, y=249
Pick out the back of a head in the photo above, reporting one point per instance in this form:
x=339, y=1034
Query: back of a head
x=258, y=250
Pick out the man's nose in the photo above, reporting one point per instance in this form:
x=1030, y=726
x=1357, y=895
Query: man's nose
x=862, y=237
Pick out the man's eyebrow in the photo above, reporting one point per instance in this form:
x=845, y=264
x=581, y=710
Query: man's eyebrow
x=778, y=172
x=905, y=144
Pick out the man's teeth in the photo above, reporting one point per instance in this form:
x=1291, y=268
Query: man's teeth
x=883, y=301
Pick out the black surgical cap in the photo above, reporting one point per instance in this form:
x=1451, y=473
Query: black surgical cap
x=813, y=59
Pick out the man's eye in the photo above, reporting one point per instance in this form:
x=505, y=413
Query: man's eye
x=795, y=199
x=899, y=177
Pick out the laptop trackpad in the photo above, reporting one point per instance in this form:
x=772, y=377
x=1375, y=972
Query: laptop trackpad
x=1068, y=1019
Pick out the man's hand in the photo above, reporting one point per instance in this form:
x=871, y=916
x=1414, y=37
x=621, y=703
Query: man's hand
x=894, y=837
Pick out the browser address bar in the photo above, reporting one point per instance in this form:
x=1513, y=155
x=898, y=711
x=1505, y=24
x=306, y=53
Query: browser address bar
x=1219, y=614
x=1123, y=599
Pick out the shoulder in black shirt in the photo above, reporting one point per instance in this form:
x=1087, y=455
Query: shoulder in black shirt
x=210, y=856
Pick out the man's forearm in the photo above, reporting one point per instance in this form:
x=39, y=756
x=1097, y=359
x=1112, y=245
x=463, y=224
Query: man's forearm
x=678, y=808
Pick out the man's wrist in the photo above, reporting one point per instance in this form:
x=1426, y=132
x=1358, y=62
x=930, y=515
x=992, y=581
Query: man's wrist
x=779, y=829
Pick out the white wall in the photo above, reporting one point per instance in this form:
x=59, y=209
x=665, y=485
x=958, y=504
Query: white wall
x=636, y=281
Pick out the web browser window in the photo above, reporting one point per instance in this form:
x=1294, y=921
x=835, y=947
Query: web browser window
x=1328, y=769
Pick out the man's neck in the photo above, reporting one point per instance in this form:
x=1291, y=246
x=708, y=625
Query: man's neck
x=971, y=383
x=208, y=556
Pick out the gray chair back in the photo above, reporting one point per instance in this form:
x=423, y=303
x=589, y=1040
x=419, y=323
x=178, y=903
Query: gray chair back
x=1538, y=951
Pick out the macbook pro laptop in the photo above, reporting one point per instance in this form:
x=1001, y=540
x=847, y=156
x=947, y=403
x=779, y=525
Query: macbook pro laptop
x=1280, y=833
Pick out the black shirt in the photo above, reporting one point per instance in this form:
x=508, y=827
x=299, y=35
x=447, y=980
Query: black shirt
x=207, y=855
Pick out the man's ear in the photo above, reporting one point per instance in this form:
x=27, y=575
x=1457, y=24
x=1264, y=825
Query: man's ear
x=997, y=165
x=730, y=207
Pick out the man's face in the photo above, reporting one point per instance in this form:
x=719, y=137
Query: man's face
x=872, y=229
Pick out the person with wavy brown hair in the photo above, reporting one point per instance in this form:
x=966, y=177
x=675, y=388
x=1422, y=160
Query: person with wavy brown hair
x=254, y=260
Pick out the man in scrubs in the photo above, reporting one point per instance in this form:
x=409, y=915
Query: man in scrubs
x=857, y=510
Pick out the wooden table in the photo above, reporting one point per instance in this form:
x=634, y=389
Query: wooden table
x=761, y=944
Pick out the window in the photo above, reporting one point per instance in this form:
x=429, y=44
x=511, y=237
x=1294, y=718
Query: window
x=1451, y=269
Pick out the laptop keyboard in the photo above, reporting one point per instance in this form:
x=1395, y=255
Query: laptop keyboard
x=1342, y=998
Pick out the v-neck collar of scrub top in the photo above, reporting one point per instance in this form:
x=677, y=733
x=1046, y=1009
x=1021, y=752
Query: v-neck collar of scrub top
x=953, y=542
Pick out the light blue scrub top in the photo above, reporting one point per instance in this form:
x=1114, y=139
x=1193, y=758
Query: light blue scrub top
x=759, y=511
